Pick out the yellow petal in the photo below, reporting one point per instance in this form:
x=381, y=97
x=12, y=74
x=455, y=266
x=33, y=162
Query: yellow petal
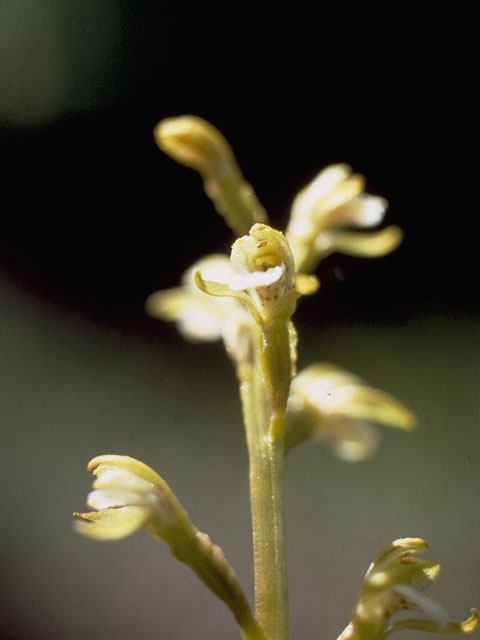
x=198, y=318
x=111, y=524
x=467, y=626
x=306, y=285
x=363, y=402
x=368, y=244
x=196, y=143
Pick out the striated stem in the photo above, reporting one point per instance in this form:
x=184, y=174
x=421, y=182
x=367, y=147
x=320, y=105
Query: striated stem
x=264, y=421
x=266, y=490
x=207, y=560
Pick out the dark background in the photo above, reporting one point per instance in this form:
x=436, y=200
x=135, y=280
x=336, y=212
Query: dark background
x=95, y=217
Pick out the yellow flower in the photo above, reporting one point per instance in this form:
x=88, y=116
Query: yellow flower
x=127, y=495
x=335, y=406
x=201, y=317
x=324, y=208
x=394, y=582
x=263, y=277
x=264, y=267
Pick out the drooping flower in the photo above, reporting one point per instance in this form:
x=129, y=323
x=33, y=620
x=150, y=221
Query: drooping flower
x=325, y=209
x=394, y=582
x=337, y=407
x=127, y=494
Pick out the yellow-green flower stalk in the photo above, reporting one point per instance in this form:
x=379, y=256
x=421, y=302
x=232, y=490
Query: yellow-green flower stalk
x=127, y=494
x=337, y=407
x=394, y=582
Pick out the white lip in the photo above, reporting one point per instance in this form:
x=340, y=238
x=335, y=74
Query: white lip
x=252, y=280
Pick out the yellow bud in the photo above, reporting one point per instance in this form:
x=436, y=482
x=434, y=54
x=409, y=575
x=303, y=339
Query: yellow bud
x=197, y=144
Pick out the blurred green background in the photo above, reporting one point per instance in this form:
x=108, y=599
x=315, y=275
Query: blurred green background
x=95, y=218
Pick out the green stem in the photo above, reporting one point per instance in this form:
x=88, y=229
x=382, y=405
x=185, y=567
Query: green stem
x=207, y=560
x=266, y=488
x=264, y=414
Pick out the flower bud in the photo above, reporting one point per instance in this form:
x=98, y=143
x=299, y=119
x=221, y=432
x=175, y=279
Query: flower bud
x=197, y=144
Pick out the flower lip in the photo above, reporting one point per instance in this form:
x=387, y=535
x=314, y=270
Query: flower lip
x=254, y=279
x=416, y=600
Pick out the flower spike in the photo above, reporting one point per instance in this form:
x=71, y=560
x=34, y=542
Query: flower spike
x=394, y=582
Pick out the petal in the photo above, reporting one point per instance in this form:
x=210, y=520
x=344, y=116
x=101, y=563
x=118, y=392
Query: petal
x=317, y=383
x=111, y=524
x=216, y=267
x=366, y=244
x=360, y=401
x=351, y=440
x=99, y=464
x=363, y=211
x=119, y=497
x=328, y=210
x=217, y=289
x=414, y=599
x=326, y=181
x=110, y=477
x=400, y=548
x=306, y=285
x=432, y=626
x=199, y=318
